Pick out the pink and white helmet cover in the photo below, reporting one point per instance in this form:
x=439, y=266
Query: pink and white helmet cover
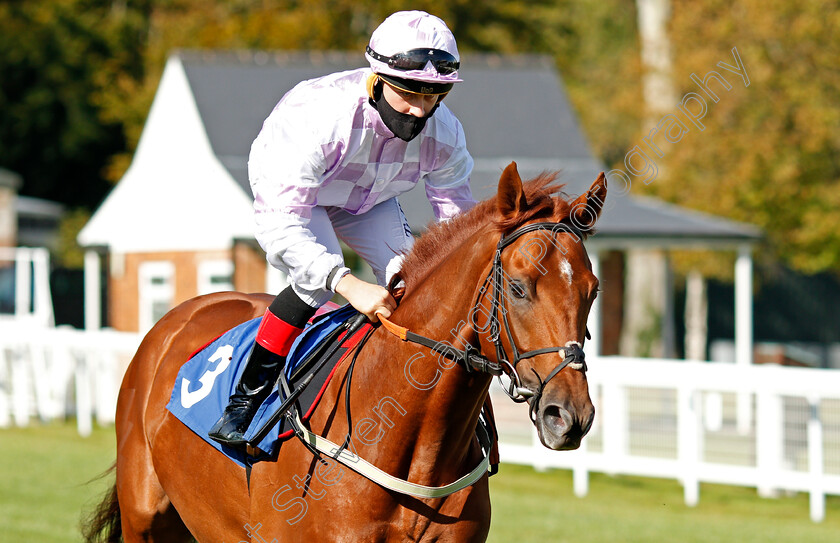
x=407, y=30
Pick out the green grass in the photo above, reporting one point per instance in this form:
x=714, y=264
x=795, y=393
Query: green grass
x=48, y=476
x=541, y=507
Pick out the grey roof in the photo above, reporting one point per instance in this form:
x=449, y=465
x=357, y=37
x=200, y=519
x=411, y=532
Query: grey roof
x=634, y=217
x=10, y=179
x=512, y=107
x=38, y=208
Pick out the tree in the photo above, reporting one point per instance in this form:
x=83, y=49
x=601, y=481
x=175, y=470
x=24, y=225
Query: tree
x=77, y=77
x=54, y=58
x=769, y=153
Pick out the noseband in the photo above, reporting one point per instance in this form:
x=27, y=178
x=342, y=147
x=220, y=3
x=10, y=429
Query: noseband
x=571, y=354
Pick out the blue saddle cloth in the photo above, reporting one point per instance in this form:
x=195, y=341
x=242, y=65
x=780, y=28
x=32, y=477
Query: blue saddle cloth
x=206, y=381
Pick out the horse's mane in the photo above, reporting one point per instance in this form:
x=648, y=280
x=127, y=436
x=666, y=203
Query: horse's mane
x=441, y=239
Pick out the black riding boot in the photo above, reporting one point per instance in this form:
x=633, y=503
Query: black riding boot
x=282, y=323
x=261, y=372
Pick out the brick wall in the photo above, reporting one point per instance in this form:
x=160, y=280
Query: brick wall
x=249, y=267
x=124, y=282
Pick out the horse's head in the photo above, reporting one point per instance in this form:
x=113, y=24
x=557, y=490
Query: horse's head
x=543, y=288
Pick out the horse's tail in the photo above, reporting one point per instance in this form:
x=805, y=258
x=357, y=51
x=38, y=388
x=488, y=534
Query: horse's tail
x=104, y=524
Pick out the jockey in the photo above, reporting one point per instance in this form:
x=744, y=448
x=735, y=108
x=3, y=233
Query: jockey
x=328, y=164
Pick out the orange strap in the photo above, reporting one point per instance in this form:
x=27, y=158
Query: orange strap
x=469, y=355
x=395, y=329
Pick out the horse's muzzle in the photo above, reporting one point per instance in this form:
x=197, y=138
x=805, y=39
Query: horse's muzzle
x=561, y=428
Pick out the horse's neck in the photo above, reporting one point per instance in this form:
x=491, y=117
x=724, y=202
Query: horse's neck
x=442, y=398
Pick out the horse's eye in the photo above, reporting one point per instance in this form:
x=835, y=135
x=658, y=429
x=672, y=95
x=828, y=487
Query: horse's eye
x=517, y=289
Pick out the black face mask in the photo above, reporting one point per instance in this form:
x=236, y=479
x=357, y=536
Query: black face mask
x=403, y=125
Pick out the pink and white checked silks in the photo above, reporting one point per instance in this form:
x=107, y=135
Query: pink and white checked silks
x=325, y=146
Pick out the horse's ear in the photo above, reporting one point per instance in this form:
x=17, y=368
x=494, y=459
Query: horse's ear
x=511, y=198
x=588, y=206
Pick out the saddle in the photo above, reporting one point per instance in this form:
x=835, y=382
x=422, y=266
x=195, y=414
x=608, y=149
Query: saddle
x=314, y=358
x=206, y=381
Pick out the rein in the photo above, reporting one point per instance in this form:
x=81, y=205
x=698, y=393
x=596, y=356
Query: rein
x=469, y=355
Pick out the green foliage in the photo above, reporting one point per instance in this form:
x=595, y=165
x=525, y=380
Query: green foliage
x=52, y=55
x=770, y=153
x=80, y=75
x=601, y=69
x=69, y=254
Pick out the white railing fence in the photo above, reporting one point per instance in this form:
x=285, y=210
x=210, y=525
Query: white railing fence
x=57, y=372
x=25, y=286
x=769, y=427
x=773, y=428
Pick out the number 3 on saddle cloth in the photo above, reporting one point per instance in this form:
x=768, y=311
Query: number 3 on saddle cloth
x=206, y=381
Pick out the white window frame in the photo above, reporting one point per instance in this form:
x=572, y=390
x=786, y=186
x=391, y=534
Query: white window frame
x=209, y=273
x=156, y=285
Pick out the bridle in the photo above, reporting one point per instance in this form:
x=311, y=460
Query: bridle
x=472, y=359
x=572, y=353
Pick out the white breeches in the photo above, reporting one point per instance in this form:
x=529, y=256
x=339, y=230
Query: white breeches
x=381, y=237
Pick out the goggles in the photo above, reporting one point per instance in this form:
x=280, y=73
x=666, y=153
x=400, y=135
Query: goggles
x=416, y=59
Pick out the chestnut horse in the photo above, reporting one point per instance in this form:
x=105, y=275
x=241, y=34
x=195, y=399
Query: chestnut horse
x=508, y=282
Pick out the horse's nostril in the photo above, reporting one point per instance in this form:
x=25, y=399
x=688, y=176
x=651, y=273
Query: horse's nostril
x=553, y=417
x=559, y=428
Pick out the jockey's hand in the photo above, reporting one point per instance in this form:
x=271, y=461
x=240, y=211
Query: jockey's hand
x=366, y=297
